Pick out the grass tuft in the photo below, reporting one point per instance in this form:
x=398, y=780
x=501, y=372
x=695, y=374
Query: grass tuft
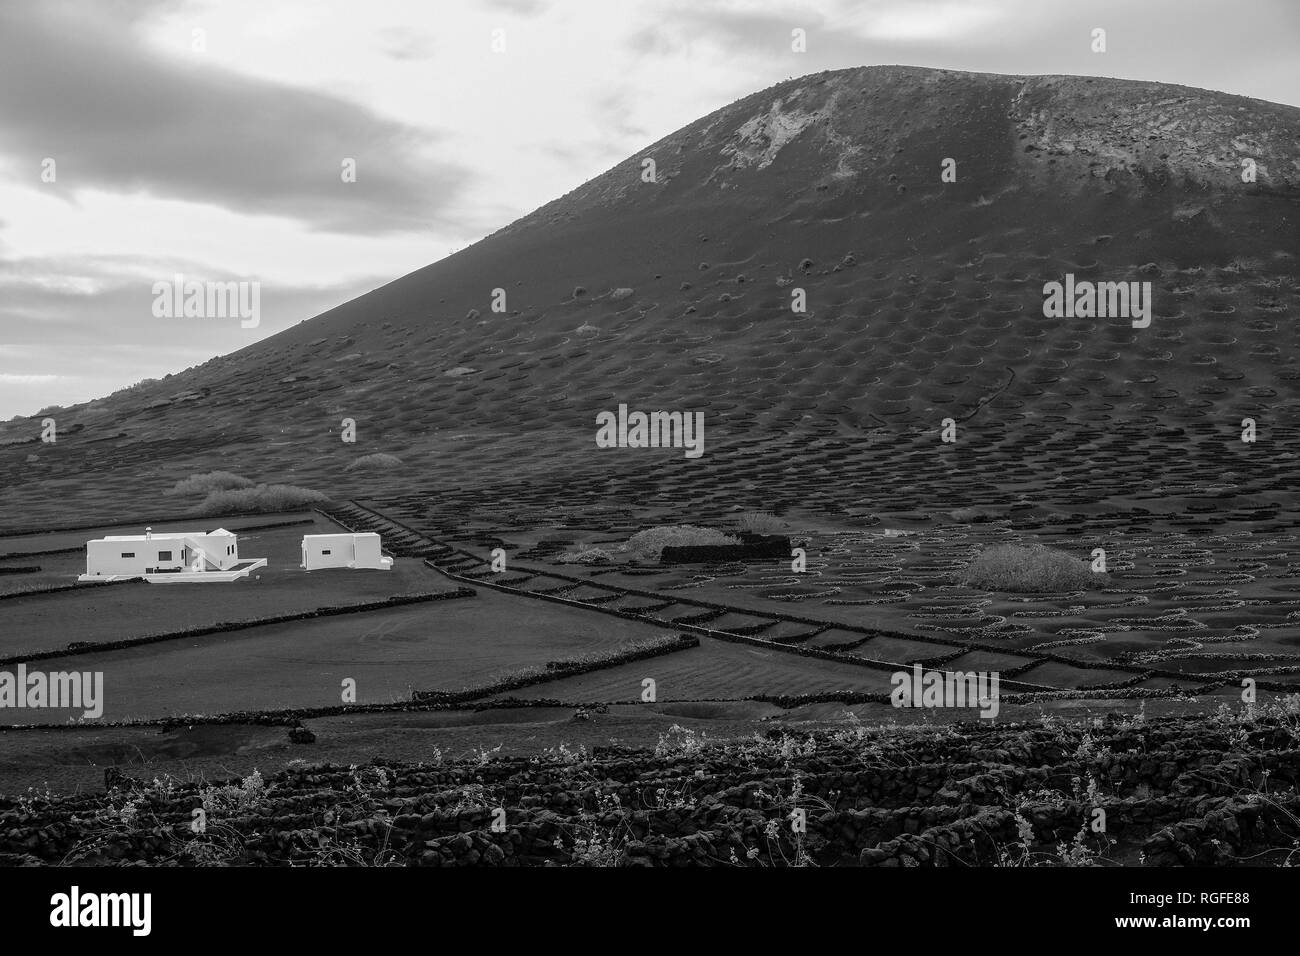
x=262, y=498
x=379, y=461
x=760, y=522
x=209, y=482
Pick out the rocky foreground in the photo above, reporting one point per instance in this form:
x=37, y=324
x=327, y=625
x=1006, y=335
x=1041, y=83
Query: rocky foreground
x=1214, y=790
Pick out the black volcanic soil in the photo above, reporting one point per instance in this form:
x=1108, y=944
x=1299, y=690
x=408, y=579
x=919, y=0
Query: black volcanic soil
x=924, y=302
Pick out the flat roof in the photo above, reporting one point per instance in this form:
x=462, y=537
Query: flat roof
x=163, y=535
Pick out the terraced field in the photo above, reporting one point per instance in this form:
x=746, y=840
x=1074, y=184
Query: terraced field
x=954, y=629
x=1198, y=780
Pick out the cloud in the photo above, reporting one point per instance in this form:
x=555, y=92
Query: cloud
x=405, y=44
x=613, y=112
x=8, y=378
x=75, y=345
x=523, y=8
x=762, y=37
x=61, y=302
x=935, y=20
x=1194, y=42
x=77, y=85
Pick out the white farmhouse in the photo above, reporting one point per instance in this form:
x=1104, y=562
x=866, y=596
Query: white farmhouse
x=169, y=557
x=359, y=550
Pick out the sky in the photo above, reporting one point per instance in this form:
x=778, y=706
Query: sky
x=141, y=140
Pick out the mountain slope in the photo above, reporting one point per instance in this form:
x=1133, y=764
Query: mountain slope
x=924, y=302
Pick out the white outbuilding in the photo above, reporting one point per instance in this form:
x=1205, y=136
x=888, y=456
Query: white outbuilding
x=353, y=550
x=168, y=557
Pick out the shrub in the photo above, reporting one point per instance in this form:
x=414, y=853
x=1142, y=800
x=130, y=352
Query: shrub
x=376, y=462
x=680, y=741
x=259, y=499
x=207, y=483
x=760, y=522
x=1027, y=567
x=139, y=386
x=590, y=556
x=649, y=543
x=228, y=798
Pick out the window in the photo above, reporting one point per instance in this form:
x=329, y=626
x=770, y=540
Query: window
x=325, y=551
x=128, y=554
x=164, y=555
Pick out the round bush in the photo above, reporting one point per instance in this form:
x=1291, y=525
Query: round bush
x=649, y=543
x=1028, y=567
